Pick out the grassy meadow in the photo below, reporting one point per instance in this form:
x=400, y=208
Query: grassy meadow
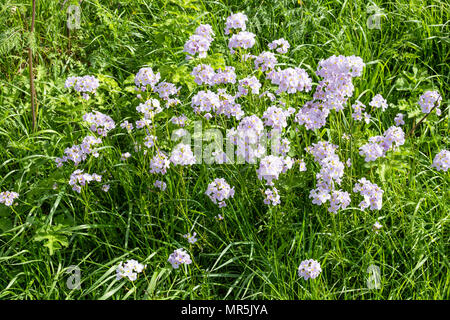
x=255, y=250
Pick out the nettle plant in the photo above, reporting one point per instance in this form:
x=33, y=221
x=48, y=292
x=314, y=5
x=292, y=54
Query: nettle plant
x=252, y=113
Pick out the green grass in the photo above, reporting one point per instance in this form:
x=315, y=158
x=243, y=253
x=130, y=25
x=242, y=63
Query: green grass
x=255, y=252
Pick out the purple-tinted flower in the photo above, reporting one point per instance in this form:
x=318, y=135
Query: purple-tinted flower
x=146, y=77
x=219, y=191
x=309, y=269
x=442, y=161
x=191, y=238
x=281, y=45
x=236, y=21
x=373, y=195
x=379, y=102
x=399, y=119
x=160, y=185
x=182, y=155
x=272, y=197
x=178, y=257
x=8, y=197
x=428, y=100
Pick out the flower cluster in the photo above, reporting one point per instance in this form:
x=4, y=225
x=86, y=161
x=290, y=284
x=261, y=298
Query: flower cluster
x=199, y=42
x=272, y=197
x=379, y=145
x=205, y=74
x=146, y=77
x=179, y=121
x=280, y=45
x=358, y=108
x=373, y=195
x=149, y=108
x=276, y=117
x=161, y=185
x=379, y=102
x=265, y=61
x=290, y=80
x=330, y=176
x=236, y=21
x=159, y=163
x=178, y=257
x=428, y=100
x=309, y=269
x=166, y=89
x=182, y=155
x=7, y=197
x=248, y=83
x=376, y=227
x=243, y=39
x=79, y=179
x=191, y=238
x=270, y=167
x=84, y=85
x=129, y=270
x=442, y=161
x=100, y=123
x=78, y=153
x=332, y=92
x=219, y=191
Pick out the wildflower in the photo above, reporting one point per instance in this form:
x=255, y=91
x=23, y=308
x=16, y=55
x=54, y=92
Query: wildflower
x=379, y=102
x=442, y=161
x=129, y=270
x=105, y=187
x=270, y=168
x=191, y=239
x=146, y=77
x=79, y=179
x=180, y=121
x=373, y=195
x=149, y=108
x=376, y=227
x=182, y=155
x=84, y=85
x=302, y=165
x=243, y=39
x=149, y=140
x=99, y=122
x=291, y=80
x=178, y=257
x=219, y=191
x=399, y=119
x=159, y=163
x=127, y=125
x=248, y=83
x=8, y=197
x=309, y=269
x=378, y=145
x=125, y=156
x=166, y=89
x=265, y=61
x=235, y=21
x=281, y=45
x=160, y=184
x=272, y=197
x=428, y=100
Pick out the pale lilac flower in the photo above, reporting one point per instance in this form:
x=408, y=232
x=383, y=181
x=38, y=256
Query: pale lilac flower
x=84, y=85
x=219, y=191
x=149, y=140
x=291, y=80
x=182, y=155
x=309, y=269
x=373, y=195
x=149, y=108
x=129, y=270
x=377, y=226
x=236, y=21
x=100, y=123
x=428, y=100
x=399, y=119
x=8, y=197
x=146, y=77
x=160, y=184
x=270, y=168
x=272, y=197
x=105, y=187
x=281, y=45
x=127, y=125
x=178, y=257
x=196, y=44
x=191, y=239
x=166, y=89
x=265, y=61
x=125, y=156
x=248, y=83
x=159, y=163
x=302, y=165
x=243, y=39
x=379, y=102
x=442, y=161
x=180, y=121
x=79, y=179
